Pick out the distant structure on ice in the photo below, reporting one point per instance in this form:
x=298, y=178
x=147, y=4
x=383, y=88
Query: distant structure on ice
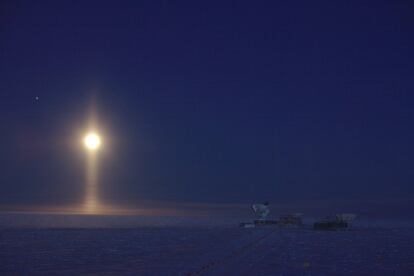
x=336, y=222
x=262, y=211
x=291, y=219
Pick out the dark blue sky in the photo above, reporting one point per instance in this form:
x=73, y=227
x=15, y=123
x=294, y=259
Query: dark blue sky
x=208, y=101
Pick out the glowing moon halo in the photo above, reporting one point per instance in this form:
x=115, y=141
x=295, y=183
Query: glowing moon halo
x=92, y=141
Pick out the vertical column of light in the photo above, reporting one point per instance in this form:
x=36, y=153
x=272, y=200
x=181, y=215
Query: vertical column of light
x=92, y=143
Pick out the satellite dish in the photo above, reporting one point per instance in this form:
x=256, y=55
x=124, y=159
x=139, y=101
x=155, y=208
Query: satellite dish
x=262, y=210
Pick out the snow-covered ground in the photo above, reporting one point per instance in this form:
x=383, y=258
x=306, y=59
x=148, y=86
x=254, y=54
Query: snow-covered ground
x=73, y=245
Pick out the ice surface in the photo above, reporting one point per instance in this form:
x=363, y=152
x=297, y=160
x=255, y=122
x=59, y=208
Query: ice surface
x=72, y=245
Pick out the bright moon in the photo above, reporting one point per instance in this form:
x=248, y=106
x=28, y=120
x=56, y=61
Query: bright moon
x=92, y=141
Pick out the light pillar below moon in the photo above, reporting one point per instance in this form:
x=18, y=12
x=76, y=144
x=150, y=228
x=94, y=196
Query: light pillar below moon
x=92, y=142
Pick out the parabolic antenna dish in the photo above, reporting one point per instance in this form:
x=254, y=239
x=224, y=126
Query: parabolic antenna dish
x=262, y=210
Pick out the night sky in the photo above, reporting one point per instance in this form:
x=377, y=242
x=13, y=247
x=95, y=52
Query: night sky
x=210, y=102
